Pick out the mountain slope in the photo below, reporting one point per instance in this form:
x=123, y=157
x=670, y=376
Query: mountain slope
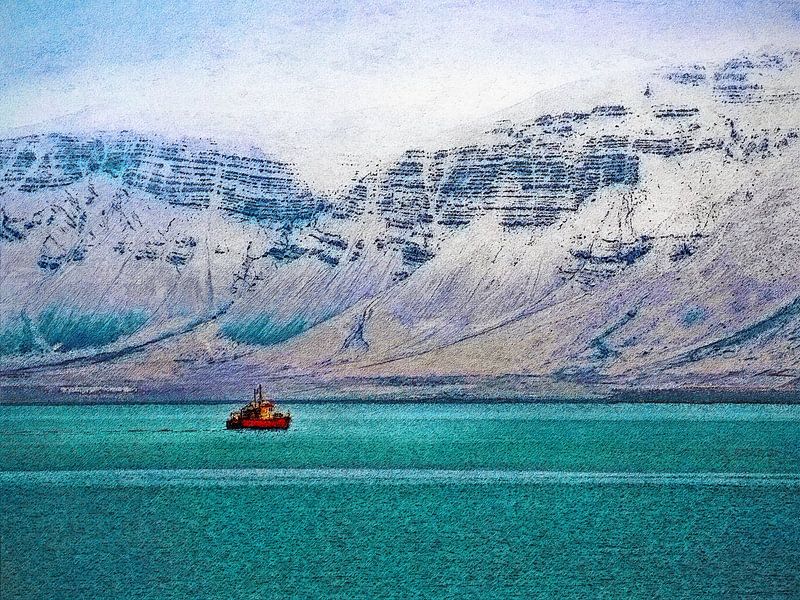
x=643, y=236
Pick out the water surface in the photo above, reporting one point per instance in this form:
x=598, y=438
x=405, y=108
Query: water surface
x=533, y=500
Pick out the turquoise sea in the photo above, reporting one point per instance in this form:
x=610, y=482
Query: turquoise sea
x=402, y=501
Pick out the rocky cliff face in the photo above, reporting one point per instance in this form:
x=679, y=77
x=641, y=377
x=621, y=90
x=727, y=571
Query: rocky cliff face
x=181, y=174
x=644, y=237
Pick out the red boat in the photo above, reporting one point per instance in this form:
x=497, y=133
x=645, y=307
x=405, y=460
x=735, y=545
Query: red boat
x=260, y=413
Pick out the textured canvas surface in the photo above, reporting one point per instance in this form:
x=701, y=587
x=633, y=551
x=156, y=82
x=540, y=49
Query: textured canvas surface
x=524, y=274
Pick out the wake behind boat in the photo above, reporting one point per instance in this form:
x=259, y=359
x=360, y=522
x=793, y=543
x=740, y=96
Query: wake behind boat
x=259, y=413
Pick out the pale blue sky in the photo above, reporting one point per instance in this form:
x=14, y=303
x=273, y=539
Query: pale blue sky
x=360, y=78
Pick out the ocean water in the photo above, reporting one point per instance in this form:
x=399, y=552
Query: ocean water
x=401, y=501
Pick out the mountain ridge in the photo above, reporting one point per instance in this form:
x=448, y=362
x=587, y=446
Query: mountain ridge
x=592, y=247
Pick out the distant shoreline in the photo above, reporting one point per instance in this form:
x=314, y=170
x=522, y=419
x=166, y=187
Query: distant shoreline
x=18, y=396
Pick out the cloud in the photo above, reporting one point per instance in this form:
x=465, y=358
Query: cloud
x=340, y=79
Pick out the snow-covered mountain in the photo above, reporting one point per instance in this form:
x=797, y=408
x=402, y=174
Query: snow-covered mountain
x=639, y=233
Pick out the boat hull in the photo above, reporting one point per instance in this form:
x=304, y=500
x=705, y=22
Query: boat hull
x=274, y=423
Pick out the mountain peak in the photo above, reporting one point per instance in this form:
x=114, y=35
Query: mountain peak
x=635, y=234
